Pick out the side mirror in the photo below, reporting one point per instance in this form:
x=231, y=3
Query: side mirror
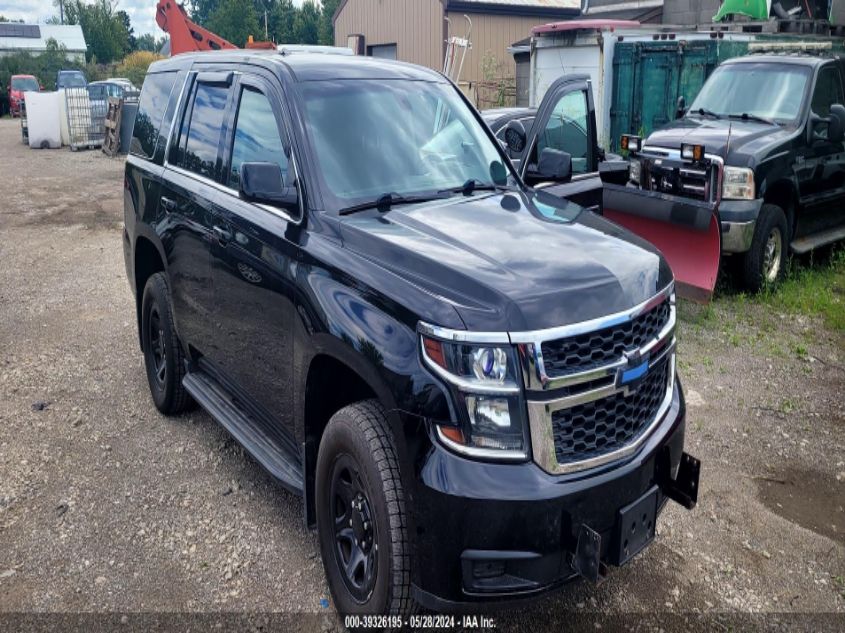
x=263, y=183
x=614, y=171
x=836, y=127
x=682, y=108
x=515, y=136
x=555, y=164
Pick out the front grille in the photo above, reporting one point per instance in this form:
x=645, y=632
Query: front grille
x=669, y=175
x=602, y=347
x=602, y=426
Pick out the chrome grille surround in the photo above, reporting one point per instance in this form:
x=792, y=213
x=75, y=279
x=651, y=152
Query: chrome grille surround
x=595, y=383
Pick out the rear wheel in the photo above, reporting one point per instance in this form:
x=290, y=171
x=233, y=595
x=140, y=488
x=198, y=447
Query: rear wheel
x=163, y=356
x=764, y=263
x=361, y=518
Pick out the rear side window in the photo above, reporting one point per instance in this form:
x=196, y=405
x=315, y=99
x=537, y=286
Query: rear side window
x=256, y=136
x=155, y=94
x=203, y=130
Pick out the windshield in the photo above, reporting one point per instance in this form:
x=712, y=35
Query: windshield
x=771, y=91
x=402, y=137
x=24, y=83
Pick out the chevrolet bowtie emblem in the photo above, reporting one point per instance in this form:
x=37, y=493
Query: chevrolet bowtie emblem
x=634, y=369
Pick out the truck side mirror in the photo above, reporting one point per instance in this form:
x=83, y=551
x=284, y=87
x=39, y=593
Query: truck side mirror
x=515, y=136
x=263, y=183
x=836, y=127
x=682, y=108
x=554, y=164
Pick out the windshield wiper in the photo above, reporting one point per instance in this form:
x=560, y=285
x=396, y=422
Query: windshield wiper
x=387, y=200
x=751, y=117
x=705, y=112
x=473, y=184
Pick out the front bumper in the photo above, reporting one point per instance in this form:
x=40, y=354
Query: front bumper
x=490, y=532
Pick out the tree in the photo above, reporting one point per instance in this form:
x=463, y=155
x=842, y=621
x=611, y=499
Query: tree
x=202, y=10
x=3, y=18
x=235, y=20
x=131, y=42
x=307, y=23
x=283, y=22
x=327, y=12
x=106, y=34
x=149, y=42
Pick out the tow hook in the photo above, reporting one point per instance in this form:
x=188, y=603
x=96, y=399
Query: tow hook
x=587, y=558
x=684, y=488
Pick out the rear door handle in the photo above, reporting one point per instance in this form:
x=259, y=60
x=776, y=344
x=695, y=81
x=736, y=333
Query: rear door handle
x=168, y=204
x=222, y=235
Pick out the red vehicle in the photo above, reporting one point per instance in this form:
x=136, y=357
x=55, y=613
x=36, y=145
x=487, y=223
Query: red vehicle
x=19, y=85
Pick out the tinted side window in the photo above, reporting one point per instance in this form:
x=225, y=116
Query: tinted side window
x=256, y=136
x=828, y=91
x=567, y=130
x=204, y=128
x=154, y=97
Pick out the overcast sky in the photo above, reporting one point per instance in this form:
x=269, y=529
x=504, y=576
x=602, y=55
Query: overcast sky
x=141, y=12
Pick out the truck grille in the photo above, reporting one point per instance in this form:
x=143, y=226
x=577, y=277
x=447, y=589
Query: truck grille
x=594, y=349
x=603, y=426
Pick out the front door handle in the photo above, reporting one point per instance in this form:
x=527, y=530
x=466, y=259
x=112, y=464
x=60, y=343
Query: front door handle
x=222, y=235
x=168, y=204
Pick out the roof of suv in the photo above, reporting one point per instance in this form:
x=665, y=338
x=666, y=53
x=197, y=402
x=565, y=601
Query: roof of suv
x=309, y=66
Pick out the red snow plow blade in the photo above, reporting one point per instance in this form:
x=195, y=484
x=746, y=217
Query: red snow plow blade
x=688, y=233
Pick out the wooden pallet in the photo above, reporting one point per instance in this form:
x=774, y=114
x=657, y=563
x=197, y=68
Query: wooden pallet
x=111, y=142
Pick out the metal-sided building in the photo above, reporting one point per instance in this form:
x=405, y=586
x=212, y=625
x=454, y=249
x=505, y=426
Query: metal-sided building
x=33, y=38
x=416, y=30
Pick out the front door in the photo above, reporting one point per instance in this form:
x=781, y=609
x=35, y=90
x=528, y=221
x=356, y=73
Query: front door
x=254, y=259
x=821, y=171
x=566, y=121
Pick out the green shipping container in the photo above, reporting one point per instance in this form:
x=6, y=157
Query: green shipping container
x=650, y=75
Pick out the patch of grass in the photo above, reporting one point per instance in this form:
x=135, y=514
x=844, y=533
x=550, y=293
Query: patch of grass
x=787, y=405
x=839, y=582
x=813, y=289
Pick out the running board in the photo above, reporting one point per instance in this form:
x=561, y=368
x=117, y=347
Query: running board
x=279, y=461
x=806, y=244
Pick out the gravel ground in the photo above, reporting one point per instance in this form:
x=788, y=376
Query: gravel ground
x=108, y=507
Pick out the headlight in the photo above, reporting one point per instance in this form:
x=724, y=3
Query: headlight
x=483, y=381
x=738, y=183
x=634, y=170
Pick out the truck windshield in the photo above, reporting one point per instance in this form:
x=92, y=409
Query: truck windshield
x=398, y=137
x=768, y=90
x=24, y=84
x=71, y=80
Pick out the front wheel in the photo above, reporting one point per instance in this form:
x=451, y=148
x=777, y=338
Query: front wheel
x=361, y=517
x=764, y=263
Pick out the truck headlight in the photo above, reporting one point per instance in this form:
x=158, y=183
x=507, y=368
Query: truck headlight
x=738, y=183
x=634, y=170
x=483, y=381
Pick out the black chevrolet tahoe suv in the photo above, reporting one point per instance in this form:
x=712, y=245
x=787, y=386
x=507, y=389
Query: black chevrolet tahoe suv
x=761, y=146
x=471, y=383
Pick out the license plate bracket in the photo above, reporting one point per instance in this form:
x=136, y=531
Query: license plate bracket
x=635, y=526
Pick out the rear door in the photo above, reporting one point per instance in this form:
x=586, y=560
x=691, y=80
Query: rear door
x=566, y=121
x=190, y=188
x=254, y=257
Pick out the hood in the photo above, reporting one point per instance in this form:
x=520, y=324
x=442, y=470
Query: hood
x=512, y=262
x=748, y=139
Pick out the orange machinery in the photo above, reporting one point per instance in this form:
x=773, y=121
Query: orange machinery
x=186, y=36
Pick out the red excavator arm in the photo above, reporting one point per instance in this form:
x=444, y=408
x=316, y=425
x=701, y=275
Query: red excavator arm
x=185, y=35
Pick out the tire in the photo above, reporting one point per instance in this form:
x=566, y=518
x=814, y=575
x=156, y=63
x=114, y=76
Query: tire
x=357, y=460
x=163, y=356
x=770, y=241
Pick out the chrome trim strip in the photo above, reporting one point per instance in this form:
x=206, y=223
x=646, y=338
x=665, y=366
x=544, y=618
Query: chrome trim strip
x=462, y=336
x=466, y=385
x=592, y=325
x=483, y=453
x=543, y=443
